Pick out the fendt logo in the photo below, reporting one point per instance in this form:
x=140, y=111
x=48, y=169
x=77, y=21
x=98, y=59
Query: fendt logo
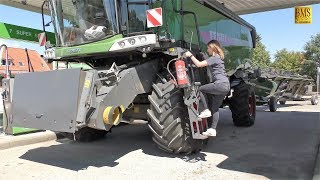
x=75, y=50
x=303, y=14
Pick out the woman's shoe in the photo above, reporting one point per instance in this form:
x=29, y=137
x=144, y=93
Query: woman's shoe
x=205, y=114
x=210, y=132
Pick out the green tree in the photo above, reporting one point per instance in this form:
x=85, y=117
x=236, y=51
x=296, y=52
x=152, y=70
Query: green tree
x=312, y=49
x=312, y=55
x=288, y=60
x=260, y=57
x=309, y=68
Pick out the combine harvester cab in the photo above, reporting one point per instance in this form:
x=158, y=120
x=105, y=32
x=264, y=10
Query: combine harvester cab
x=136, y=69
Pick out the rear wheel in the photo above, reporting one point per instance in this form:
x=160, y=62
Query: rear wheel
x=86, y=134
x=243, y=105
x=169, y=121
x=282, y=102
x=273, y=106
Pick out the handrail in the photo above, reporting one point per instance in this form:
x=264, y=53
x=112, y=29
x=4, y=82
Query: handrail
x=7, y=61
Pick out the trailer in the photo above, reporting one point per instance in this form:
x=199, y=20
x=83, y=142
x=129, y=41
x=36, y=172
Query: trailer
x=280, y=86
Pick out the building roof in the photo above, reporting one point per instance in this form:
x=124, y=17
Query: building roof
x=253, y=6
x=237, y=6
x=19, y=60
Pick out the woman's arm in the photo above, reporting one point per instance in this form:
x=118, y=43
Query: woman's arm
x=198, y=63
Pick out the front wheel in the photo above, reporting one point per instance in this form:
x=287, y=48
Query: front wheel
x=169, y=122
x=243, y=105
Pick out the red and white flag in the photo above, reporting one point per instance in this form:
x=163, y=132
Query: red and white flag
x=154, y=17
x=42, y=39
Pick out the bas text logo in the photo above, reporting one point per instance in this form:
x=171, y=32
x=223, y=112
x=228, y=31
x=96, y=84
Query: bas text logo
x=303, y=14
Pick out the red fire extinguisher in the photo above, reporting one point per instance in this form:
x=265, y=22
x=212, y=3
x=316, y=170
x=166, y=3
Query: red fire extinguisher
x=181, y=73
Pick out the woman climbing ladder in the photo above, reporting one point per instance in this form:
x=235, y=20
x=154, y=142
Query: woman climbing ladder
x=217, y=89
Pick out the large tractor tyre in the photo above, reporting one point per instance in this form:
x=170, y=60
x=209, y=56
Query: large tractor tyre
x=86, y=134
x=169, y=121
x=314, y=100
x=243, y=105
x=273, y=104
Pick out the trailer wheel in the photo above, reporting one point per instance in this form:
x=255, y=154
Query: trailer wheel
x=314, y=100
x=86, y=134
x=243, y=105
x=282, y=102
x=169, y=121
x=273, y=106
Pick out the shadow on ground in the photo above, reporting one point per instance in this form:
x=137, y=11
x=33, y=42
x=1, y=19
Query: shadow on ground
x=279, y=145
x=105, y=152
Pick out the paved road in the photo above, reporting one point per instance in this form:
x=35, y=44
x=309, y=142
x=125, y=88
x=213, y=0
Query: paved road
x=280, y=145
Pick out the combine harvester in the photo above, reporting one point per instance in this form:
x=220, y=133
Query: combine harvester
x=138, y=71
x=279, y=86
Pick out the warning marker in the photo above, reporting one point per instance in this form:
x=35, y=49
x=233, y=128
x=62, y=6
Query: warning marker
x=154, y=17
x=42, y=39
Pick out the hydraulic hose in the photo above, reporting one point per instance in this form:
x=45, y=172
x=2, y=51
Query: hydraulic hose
x=168, y=69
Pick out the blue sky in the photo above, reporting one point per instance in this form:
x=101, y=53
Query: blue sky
x=277, y=28
x=21, y=18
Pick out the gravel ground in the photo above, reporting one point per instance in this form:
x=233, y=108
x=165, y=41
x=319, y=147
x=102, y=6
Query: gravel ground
x=281, y=145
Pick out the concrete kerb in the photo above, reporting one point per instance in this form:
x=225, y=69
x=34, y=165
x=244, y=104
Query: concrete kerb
x=27, y=139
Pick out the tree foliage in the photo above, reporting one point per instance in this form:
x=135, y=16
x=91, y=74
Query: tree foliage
x=304, y=63
x=309, y=68
x=288, y=60
x=260, y=57
x=312, y=49
x=312, y=55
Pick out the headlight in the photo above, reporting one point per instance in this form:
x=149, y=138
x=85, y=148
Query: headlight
x=132, y=41
x=143, y=39
x=50, y=53
x=122, y=44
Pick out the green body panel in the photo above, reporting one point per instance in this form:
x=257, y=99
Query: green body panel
x=234, y=37
x=102, y=46
x=172, y=21
x=20, y=130
x=9, y=31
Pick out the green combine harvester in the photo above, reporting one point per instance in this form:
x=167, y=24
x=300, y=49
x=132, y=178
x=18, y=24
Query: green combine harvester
x=133, y=48
x=279, y=86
